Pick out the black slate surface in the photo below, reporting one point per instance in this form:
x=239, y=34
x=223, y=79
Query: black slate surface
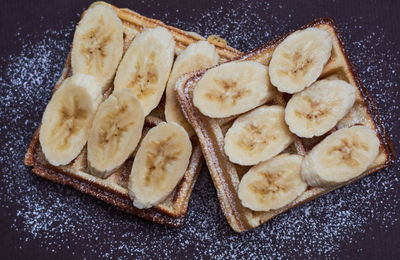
x=40, y=219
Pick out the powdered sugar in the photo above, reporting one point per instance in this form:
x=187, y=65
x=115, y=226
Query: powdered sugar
x=61, y=219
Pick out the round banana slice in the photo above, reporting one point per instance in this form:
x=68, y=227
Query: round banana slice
x=68, y=117
x=316, y=110
x=341, y=156
x=196, y=56
x=146, y=66
x=299, y=60
x=272, y=184
x=159, y=164
x=232, y=88
x=98, y=44
x=115, y=133
x=257, y=136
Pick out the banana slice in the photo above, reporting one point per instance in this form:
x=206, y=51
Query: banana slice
x=232, y=88
x=272, y=184
x=159, y=164
x=316, y=110
x=257, y=136
x=68, y=117
x=146, y=66
x=115, y=133
x=299, y=60
x=198, y=55
x=98, y=44
x=341, y=156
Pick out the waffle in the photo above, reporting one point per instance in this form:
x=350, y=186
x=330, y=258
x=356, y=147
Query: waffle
x=113, y=189
x=226, y=175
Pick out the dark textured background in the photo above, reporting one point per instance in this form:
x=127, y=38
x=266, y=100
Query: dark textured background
x=356, y=19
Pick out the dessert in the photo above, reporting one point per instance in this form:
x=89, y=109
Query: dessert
x=336, y=136
x=105, y=126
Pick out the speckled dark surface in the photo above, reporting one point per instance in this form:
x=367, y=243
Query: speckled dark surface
x=40, y=219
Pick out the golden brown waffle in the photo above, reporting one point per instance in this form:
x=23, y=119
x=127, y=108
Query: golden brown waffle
x=113, y=189
x=227, y=175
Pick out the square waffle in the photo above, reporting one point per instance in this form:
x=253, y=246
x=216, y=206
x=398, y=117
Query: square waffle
x=211, y=132
x=113, y=189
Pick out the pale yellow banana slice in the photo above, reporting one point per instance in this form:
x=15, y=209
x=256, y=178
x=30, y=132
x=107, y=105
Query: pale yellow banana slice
x=146, y=65
x=198, y=55
x=317, y=109
x=257, y=136
x=115, y=132
x=232, y=88
x=98, y=44
x=272, y=184
x=341, y=156
x=299, y=60
x=159, y=164
x=68, y=117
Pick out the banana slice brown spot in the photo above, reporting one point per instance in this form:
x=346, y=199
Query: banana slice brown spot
x=301, y=63
x=146, y=75
x=346, y=151
x=158, y=160
x=95, y=49
x=254, y=138
x=70, y=122
x=268, y=185
x=315, y=111
x=226, y=92
x=111, y=126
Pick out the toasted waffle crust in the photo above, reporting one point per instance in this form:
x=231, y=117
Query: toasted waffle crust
x=113, y=189
x=226, y=175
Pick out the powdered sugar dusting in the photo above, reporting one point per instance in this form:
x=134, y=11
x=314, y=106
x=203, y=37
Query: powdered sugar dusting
x=239, y=24
x=61, y=219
